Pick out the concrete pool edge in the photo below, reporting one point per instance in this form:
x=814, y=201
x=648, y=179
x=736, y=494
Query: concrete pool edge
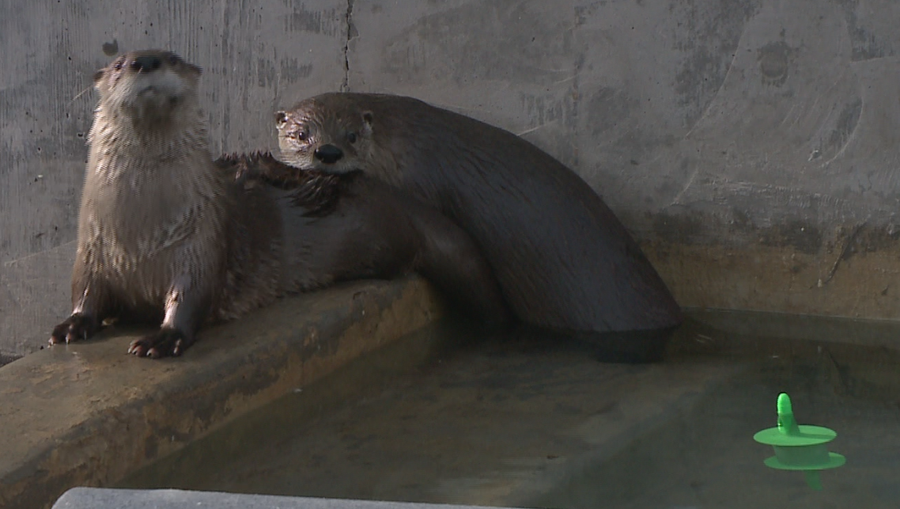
x=87, y=413
x=100, y=498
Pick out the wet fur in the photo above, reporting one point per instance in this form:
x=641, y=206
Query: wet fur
x=353, y=226
x=563, y=259
x=316, y=191
x=153, y=225
x=167, y=234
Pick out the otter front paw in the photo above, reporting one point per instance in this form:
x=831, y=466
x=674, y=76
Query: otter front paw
x=167, y=342
x=76, y=327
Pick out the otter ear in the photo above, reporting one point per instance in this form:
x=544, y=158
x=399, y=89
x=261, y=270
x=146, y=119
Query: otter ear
x=280, y=119
x=367, y=123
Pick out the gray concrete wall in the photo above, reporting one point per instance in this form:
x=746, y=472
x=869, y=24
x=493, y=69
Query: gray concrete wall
x=748, y=144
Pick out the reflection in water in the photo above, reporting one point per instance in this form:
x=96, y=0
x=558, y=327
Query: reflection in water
x=705, y=457
x=450, y=415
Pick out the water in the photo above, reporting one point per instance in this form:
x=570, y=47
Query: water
x=452, y=416
x=704, y=457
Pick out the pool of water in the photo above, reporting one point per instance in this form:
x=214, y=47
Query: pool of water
x=704, y=457
x=453, y=416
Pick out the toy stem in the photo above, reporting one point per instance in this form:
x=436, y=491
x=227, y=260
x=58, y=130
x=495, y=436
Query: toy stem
x=813, y=479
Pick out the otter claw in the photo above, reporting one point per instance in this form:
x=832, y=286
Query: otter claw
x=164, y=343
x=74, y=328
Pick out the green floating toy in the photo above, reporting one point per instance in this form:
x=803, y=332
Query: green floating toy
x=799, y=447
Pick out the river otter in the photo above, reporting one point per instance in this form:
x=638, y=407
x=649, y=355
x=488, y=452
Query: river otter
x=354, y=227
x=166, y=233
x=563, y=259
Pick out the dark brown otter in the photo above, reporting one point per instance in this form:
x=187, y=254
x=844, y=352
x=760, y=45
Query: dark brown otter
x=163, y=232
x=350, y=226
x=563, y=259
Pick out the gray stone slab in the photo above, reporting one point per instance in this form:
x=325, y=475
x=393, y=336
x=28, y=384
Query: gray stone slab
x=99, y=498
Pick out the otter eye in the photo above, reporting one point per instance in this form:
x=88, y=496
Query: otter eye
x=351, y=137
x=119, y=63
x=299, y=135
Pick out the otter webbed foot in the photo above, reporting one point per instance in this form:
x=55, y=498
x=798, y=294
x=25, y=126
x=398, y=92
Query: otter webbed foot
x=76, y=327
x=167, y=342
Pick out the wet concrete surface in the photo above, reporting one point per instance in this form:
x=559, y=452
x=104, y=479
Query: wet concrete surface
x=87, y=413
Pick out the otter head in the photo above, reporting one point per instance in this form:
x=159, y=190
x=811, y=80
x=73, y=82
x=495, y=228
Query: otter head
x=311, y=136
x=149, y=86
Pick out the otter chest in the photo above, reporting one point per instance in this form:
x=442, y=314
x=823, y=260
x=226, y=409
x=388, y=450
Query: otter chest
x=145, y=223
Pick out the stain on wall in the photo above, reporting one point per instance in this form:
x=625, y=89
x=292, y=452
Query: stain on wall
x=775, y=62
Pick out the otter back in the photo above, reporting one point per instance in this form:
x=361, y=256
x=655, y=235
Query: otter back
x=562, y=258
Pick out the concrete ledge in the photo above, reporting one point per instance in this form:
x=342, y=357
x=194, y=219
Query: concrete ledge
x=94, y=498
x=87, y=413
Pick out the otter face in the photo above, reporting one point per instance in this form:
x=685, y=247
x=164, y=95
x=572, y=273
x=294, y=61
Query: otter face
x=311, y=137
x=146, y=85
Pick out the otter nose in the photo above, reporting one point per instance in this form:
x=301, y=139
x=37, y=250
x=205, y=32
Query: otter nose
x=146, y=63
x=328, y=154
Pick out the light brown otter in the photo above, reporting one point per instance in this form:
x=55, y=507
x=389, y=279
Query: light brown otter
x=163, y=232
x=563, y=259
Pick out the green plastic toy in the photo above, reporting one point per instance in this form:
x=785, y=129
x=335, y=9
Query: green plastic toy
x=799, y=447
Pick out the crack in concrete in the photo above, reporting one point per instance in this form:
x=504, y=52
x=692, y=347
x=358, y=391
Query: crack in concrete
x=845, y=253
x=348, y=18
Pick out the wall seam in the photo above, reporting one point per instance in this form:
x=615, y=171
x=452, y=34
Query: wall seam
x=348, y=18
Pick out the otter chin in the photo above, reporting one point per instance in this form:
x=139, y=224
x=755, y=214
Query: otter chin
x=563, y=259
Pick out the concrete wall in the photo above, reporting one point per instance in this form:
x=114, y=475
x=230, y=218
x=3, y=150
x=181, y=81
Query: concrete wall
x=748, y=144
